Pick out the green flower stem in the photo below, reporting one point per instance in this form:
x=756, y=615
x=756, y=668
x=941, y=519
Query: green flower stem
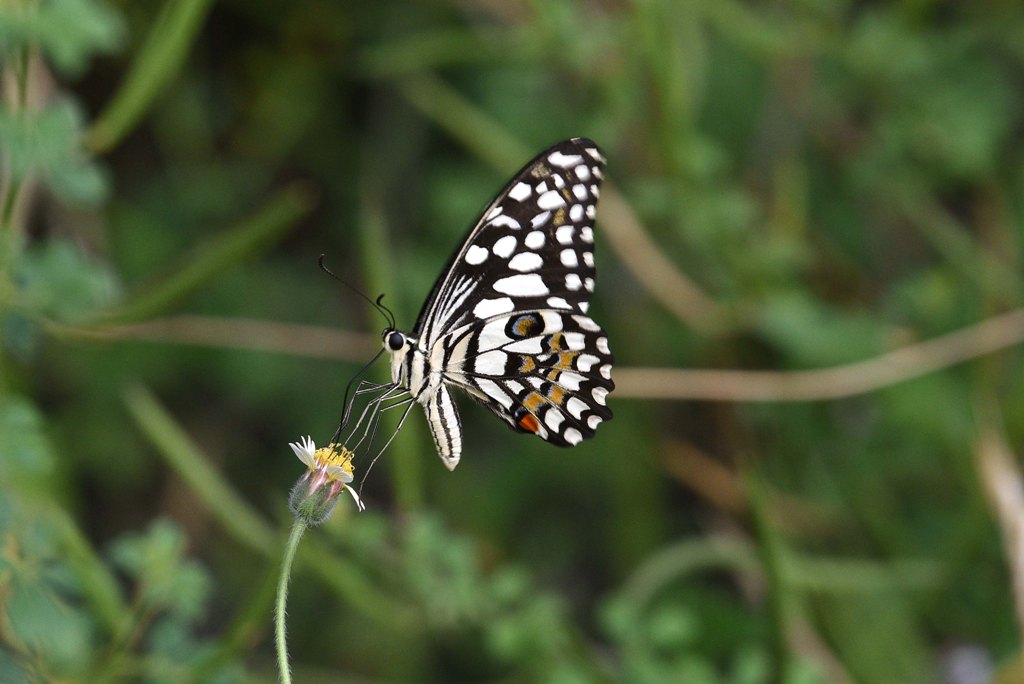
x=245, y=524
x=298, y=528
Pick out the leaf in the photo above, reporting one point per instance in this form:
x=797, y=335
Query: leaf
x=58, y=281
x=47, y=143
x=68, y=31
x=168, y=580
x=25, y=449
x=46, y=627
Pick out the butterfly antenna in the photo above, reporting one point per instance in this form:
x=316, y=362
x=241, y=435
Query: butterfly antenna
x=384, y=311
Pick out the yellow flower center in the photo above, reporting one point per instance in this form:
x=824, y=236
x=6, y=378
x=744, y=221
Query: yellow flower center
x=334, y=455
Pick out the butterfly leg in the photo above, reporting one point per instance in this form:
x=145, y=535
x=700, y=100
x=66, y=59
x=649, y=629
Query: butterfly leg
x=370, y=416
x=408, y=403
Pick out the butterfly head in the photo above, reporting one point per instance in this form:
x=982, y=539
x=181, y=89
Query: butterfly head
x=398, y=345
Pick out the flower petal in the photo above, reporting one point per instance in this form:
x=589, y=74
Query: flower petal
x=355, y=497
x=338, y=473
x=304, y=451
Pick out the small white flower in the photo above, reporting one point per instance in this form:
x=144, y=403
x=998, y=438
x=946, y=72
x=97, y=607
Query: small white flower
x=330, y=467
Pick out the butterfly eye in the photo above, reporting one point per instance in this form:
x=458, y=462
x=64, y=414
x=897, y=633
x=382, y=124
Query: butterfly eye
x=395, y=341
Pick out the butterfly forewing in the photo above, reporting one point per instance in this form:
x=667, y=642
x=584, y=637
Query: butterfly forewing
x=507, y=321
x=533, y=247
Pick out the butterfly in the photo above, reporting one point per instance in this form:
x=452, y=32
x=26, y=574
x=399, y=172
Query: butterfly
x=507, y=322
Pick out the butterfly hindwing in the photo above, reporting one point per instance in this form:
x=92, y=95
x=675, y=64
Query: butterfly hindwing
x=545, y=371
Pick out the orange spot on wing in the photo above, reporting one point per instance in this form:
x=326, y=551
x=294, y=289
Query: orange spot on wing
x=529, y=423
x=527, y=365
x=533, y=401
x=556, y=395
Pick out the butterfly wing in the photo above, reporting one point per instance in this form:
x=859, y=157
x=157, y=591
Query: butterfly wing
x=507, y=321
x=532, y=248
x=546, y=371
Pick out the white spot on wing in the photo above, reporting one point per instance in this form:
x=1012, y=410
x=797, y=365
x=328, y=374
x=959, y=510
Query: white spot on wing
x=606, y=371
x=530, y=345
x=504, y=222
x=587, y=323
x=526, y=261
x=551, y=199
x=582, y=172
x=486, y=308
x=558, y=303
x=588, y=259
x=475, y=255
x=490, y=363
x=570, y=381
x=584, y=307
x=520, y=192
x=574, y=341
x=522, y=285
x=494, y=391
x=594, y=421
x=600, y=395
x=554, y=419
x=552, y=320
x=602, y=345
x=493, y=335
x=540, y=219
x=580, y=190
x=564, y=234
x=573, y=282
x=568, y=257
x=534, y=239
x=564, y=160
x=588, y=283
x=504, y=246
x=586, y=361
x=575, y=407
x=576, y=213
x=573, y=436
x=587, y=234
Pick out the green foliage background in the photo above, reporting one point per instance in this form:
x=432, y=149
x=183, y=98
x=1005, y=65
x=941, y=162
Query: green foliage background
x=839, y=180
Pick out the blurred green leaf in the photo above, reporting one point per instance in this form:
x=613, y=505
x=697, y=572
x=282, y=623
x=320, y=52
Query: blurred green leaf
x=59, y=282
x=47, y=143
x=25, y=448
x=68, y=31
x=47, y=628
x=156, y=560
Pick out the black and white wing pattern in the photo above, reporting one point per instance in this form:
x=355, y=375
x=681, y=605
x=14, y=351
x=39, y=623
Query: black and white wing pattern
x=507, y=320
